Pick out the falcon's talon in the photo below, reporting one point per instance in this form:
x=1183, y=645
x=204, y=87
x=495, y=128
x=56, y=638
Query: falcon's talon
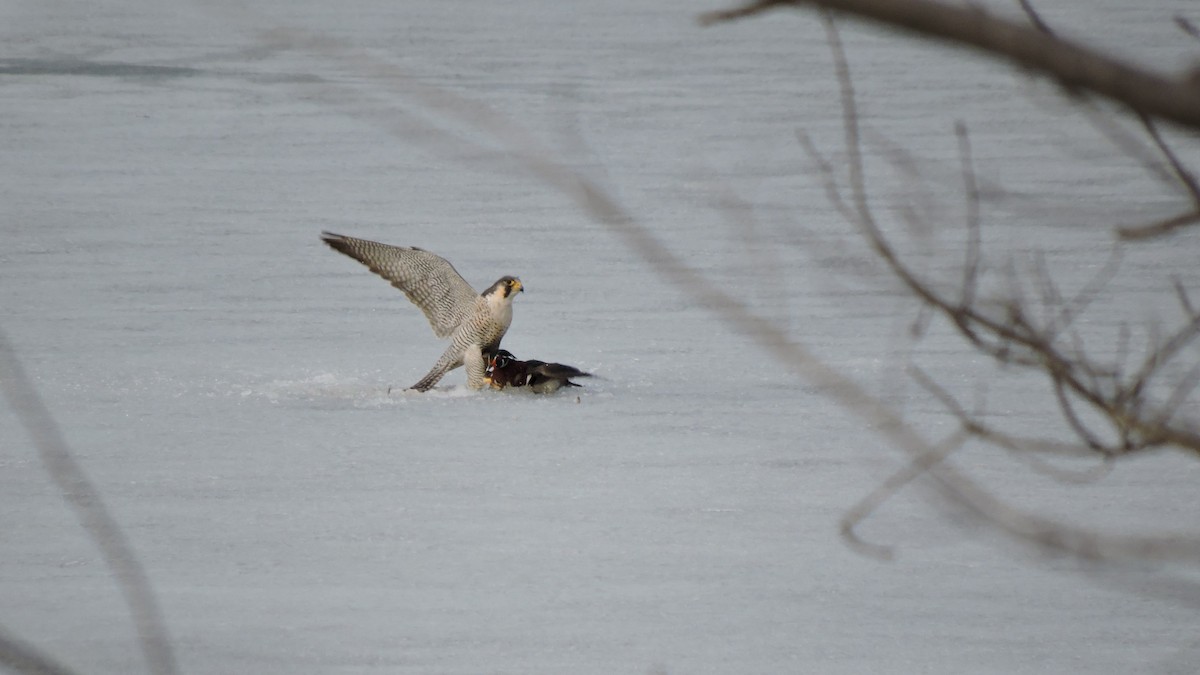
x=475, y=322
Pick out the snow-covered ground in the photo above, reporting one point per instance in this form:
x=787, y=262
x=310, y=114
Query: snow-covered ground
x=165, y=169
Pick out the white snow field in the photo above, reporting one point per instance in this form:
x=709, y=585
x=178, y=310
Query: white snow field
x=223, y=377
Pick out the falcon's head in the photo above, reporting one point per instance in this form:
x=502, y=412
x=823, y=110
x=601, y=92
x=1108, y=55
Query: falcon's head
x=505, y=287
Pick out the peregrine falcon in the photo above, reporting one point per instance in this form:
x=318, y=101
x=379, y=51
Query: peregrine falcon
x=474, y=322
x=504, y=370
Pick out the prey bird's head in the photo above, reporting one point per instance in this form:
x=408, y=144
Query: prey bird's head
x=504, y=370
x=505, y=287
x=501, y=359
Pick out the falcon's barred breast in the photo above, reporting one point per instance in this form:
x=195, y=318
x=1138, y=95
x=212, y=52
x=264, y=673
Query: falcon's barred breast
x=474, y=322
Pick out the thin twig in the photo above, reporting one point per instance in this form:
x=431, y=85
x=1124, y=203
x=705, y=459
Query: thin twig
x=1160, y=354
x=1186, y=302
x=1068, y=411
x=863, y=509
x=747, y=10
x=1091, y=290
x=1187, y=26
x=1186, y=177
x=1157, y=229
x=1182, y=175
x=1132, y=145
x=1184, y=388
x=828, y=181
x=1035, y=18
x=970, y=280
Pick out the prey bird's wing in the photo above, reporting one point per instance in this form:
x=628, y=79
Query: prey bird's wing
x=429, y=280
x=556, y=370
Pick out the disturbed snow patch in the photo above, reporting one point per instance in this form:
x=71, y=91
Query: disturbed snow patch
x=339, y=389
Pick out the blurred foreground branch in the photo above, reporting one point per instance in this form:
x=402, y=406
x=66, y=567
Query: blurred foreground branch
x=85, y=500
x=21, y=657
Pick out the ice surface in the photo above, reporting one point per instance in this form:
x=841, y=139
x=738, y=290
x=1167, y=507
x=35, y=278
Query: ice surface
x=224, y=378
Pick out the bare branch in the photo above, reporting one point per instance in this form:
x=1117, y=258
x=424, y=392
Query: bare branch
x=1030, y=451
x=1060, y=537
x=1077, y=67
x=1016, y=339
x=1036, y=349
x=975, y=427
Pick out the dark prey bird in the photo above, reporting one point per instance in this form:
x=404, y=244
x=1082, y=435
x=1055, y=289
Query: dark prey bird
x=504, y=370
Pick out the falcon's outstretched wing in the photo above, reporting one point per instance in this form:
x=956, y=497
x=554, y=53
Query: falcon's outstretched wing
x=429, y=280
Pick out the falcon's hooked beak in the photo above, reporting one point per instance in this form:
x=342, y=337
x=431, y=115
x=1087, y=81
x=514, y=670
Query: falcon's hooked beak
x=517, y=287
